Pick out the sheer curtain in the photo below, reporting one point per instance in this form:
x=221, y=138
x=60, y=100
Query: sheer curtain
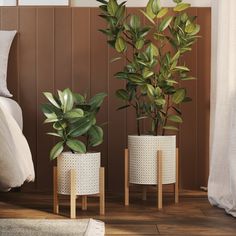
x=222, y=180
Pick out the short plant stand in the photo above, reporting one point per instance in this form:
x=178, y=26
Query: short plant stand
x=159, y=179
x=73, y=194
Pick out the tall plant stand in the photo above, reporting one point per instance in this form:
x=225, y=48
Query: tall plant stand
x=159, y=179
x=73, y=194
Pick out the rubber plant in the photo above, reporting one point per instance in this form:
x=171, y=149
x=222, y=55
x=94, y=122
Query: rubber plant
x=154, y=65
x=73, y=116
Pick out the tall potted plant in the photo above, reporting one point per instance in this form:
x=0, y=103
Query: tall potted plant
x=153, y=72
x=72, y=117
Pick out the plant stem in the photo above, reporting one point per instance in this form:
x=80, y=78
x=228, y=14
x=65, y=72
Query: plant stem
x=87, y=142
x=167, y=109
x=137, y=120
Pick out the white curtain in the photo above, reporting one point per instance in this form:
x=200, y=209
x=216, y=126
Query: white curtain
x=222, y=180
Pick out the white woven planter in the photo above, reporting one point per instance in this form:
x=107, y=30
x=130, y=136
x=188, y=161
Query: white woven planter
x=87, y=172
x=143, y=159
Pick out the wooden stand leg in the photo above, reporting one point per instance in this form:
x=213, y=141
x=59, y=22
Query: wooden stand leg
x=144, y=193
x=126, y=177
x=84, y=203
x=72, y=194
x=102, y=190
x=177, y=177
x=159, y=178
x=55, y=195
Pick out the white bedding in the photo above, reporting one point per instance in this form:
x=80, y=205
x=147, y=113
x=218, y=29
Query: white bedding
x=16, y=165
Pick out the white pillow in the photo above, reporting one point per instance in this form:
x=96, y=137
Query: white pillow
x=6, y=38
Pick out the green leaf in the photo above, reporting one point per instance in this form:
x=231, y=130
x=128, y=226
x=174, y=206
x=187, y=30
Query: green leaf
x=170, y=128
x=152, y=50
x=158, y=91
x=182, y=7
x=175, y=57
x=189, y=28
x=49, y=111
x=165, y=23
x=102, y=1
x=55, y=134
x=160, y=101
x=141, y=118
x=115, y=59
x=96, y=101
x=60, y=95
x=148, y=17
x=122, y=94
x=68, y=100
x=59, y=125
x=175, y=118
x=78, y=99
x=150, y=90
x=81, y=127
x=171, y=81
x=51, y=99
x=135, y=79
x=120, y=45
x=76, y=146
x=162, y=12
x=56, y=150
x=112, y=7
x=182, y=68
x=156, y=6
x=139, y=44
x=120, y=12
x=196, y=30
x=188, y=78
x=121, y=75
x=50, y=120
x=176, y=1
x=135, y=22
x=75, y=113
x=149, y=12
x=95, y=135
x=179, y=96
x=147, y=73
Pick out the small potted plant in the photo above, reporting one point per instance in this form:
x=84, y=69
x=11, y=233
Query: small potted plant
x=154, y=74
x=72, y=117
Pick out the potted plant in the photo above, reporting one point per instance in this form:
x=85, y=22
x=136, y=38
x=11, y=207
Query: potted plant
x=72, y=117
x=153, y=72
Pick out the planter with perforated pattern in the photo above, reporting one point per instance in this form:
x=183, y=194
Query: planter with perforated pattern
x=143, y=159
x=86, y=167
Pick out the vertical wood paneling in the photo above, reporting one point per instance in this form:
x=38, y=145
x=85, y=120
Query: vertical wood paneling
x=81, y=50
x=27, y=73
x=61, y=47
x=45, y=82
x=10, y=22
x=99, y=75
x=188, y=130
x=203, y=94
x=117, y=136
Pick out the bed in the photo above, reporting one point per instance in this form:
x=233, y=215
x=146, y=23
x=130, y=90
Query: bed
x=16, y=165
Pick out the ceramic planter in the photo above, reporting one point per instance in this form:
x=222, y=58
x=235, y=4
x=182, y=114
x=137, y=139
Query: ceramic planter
x=87, y=172
x=143, y=159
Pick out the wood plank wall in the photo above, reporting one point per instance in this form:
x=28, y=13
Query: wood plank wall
x=59, y=47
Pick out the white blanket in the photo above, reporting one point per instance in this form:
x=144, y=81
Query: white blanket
x=16, y=165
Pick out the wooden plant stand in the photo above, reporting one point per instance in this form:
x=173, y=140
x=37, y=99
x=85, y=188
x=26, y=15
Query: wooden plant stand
x=73, y=195
x=159, y=179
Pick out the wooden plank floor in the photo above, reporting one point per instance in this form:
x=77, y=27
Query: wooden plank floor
x=192, y=216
